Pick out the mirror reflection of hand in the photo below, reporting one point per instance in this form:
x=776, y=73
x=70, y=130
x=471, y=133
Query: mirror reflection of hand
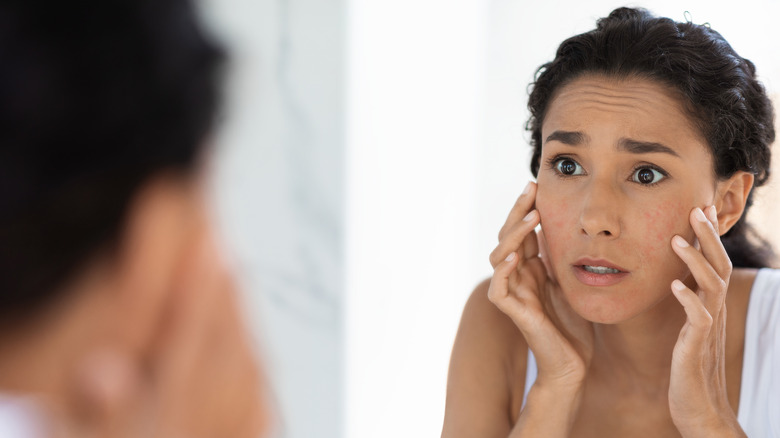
x=201, y=379
x=523, y=288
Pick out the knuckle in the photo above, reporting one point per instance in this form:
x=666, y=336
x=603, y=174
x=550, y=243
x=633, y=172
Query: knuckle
x=494, y=296
x=491, y=294
x=728, y=267
x=712, y=283
x=501, y=233
x=494, y=258
x=705, y=322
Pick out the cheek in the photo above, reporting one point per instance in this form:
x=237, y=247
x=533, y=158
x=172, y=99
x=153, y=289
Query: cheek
x=555, y=217
x=651, y=231
x=558, y=219
x=658, y=224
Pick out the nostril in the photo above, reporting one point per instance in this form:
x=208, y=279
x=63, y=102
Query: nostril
x=607, y=233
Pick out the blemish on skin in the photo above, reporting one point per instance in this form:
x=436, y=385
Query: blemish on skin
x=603, y=199
x=664, y=221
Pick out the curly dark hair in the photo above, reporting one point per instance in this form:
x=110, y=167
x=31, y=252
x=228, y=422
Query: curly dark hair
x=95, y=98
x=720, y=91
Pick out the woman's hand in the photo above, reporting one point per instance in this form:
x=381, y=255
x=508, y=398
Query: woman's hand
x=561, y=340
x=200, y=380
x=697, y=388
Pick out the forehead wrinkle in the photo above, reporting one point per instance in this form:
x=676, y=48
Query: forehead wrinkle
x=604, y=102
x=639, y=109
x=618, y=95
x=614, y=107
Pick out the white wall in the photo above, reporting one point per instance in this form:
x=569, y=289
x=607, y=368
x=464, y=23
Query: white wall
x=416, y=73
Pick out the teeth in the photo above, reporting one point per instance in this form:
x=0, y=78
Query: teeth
x=600, y=269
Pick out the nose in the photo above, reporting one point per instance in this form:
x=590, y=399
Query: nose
x=600, y=213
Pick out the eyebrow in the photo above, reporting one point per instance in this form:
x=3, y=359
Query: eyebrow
x=644, y=147
x=576, y=138
x=572, y=138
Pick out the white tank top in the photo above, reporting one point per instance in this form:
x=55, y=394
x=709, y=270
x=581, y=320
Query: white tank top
x=21, y=417
x=759, y=396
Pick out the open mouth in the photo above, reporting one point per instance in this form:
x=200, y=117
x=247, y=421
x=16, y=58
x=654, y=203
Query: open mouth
x=600, y=269
x=599, y=272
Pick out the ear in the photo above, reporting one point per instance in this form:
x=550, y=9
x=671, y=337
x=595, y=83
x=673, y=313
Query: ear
x=163, y=220
x=732, y=195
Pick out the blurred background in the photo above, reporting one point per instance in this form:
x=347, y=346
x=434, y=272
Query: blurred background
x=369, y=155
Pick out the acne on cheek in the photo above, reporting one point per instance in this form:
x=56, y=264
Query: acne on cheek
x=552, y=214
x=662, y=222
x=651, y=233
x=555, y=220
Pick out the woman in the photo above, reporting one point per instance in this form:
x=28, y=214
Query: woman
x=117, y=315
x=648, y=138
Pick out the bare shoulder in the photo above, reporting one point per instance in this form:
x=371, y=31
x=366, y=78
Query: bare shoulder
x=487, y=371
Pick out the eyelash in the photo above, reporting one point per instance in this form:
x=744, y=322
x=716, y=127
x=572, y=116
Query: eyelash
x=553, y=161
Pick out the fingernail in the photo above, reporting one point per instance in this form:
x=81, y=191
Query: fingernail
x=527, y=188
x=510, y=257
x=679, y=241
x=529, y=217
x=699, y=215
x=678, y=285
x=713, y=214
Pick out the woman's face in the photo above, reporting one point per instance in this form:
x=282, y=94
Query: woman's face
x=621, y=168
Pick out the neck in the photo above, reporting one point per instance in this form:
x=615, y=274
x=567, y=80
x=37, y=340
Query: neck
x=636, y=355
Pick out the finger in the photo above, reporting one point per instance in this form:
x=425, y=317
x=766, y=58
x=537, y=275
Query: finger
x=530, y=245
x=553, y=352
x=521, y=304
x=526, y=266
x=543, y=251
x=711, y=245
x=699, y=323
x=529, y=250
x=523, y=205
x=712, y=215
x=499, y=284
x=513, y=238
x=713, y=287
x=205, y=367
x=190, y=317
x=537, y=270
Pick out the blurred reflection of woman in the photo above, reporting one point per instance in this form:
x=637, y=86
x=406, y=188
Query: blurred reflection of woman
x=117, y=316
x=648, y=138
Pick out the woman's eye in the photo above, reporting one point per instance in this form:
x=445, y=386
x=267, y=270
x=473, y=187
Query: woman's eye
x=647, y=175
x=567, y=166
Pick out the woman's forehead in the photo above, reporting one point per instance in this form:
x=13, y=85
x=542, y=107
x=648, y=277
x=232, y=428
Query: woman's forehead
x=616, y=95
x=600, y=107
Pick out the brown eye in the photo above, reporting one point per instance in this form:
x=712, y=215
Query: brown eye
x=567, y=166
x=647, y=175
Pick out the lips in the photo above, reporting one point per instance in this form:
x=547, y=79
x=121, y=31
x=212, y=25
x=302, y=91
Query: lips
x=598, y=272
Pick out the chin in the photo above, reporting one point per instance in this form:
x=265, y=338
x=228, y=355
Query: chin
x=606, y=306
